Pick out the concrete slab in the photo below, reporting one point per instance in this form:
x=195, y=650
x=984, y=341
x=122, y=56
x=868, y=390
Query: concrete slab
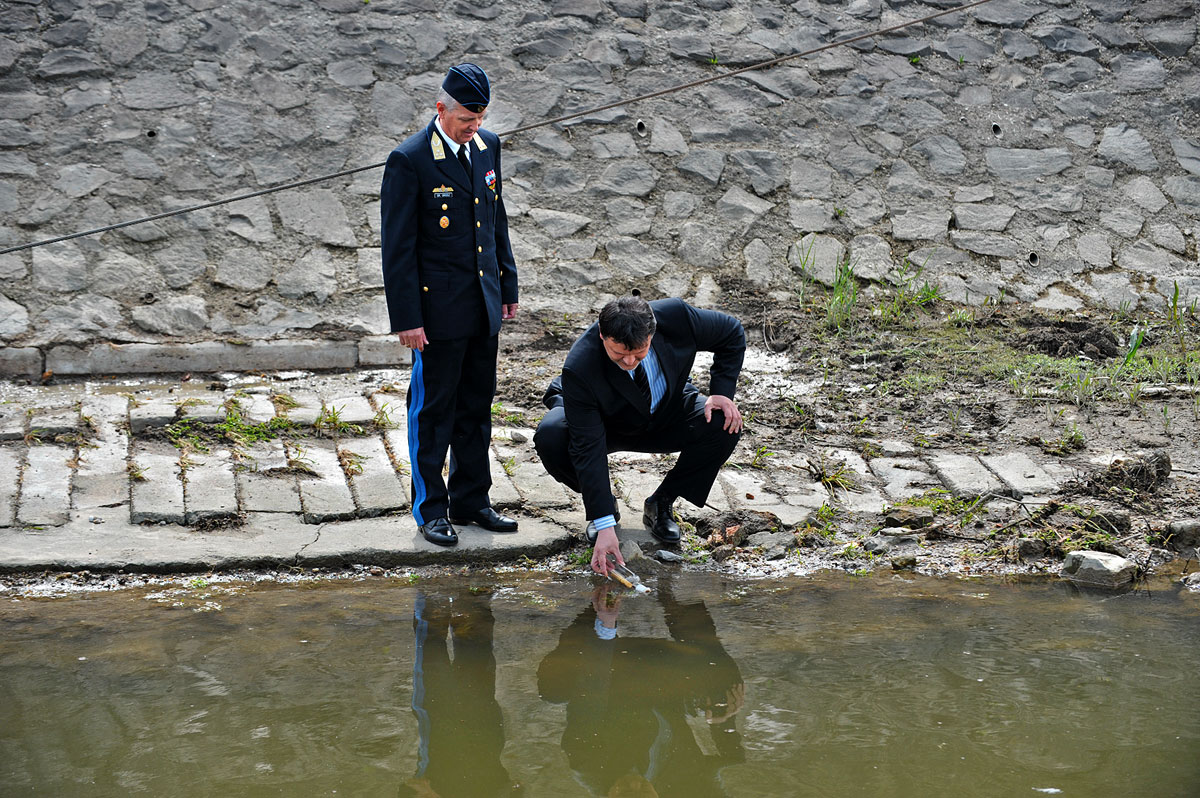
x=12, y=422
x=256, y=408
x=537, y=488
x=1020, y=473
x=207, y=410
x=963, y=474
x=903, y=477
x=158, y=495
x=377, y=488
x=350, y=409
x=51, y=422
x=308, y=407
x=101, y=478
x=326, y=496
x=393, y=540
x=154, y=413
x=269, y=487
x=45, y=498
x=209, y=487
x=396, y=441
x=504, y=492
x=10, y=477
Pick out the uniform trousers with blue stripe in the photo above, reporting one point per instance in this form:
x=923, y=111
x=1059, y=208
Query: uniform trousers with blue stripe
x=450, y=410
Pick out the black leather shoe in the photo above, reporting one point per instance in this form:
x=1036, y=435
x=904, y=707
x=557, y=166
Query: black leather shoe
x=489, y=519
x=440, y=532
x=661, y=522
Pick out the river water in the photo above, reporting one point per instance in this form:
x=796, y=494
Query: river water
x=506, y=684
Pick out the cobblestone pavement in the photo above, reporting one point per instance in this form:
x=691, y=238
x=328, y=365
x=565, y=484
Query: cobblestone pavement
x=91, y=478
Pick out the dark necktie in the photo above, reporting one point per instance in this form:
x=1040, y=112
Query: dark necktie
x=643, y=384
x=462, y=159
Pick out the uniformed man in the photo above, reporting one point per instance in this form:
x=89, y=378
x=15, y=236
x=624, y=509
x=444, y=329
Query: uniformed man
x=450, y=278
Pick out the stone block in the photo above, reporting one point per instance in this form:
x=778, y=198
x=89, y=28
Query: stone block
x=209, y=487
x=156, y=491
x=12, y=422
x=23, y=361
x=151, y=414
x=383, y=350
x=349, y=409
x=326, y=496
x=963, y=475
x=46, y=486
x=1020, y=473
x=376, y=485
x=537, y=488
x=101, y=479
x=10, y=474
x=268, y=486
x=206, y=356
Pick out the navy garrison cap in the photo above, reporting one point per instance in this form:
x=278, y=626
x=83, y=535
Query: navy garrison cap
x=469, y=85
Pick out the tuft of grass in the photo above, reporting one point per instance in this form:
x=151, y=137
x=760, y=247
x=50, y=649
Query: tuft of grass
x=832, y=472
x=840, y=309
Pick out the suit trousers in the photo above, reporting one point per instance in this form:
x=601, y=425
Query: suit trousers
x=450, y=409
x=703, y=448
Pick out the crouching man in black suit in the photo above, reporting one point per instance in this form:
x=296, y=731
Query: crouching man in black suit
x=624, y=388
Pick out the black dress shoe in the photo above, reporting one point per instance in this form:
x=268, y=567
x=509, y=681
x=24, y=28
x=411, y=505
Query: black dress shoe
x=489, y=519
x=661, y=522
x=440, y=532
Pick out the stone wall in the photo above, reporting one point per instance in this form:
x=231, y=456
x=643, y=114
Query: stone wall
x=1047, y=150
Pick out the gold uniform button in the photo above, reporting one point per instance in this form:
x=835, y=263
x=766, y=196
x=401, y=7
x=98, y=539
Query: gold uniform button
x=425, y=288
x=481, y=272
x=445, y=206
x=479, y=248
x=478, y=224
x=477, y=200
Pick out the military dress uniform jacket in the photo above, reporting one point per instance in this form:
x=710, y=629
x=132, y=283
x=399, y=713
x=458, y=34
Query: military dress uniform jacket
x=599, y=398
x=447, y=259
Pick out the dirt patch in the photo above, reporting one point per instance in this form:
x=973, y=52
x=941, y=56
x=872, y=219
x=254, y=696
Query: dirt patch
x=1070, y=337
x=1128, y=481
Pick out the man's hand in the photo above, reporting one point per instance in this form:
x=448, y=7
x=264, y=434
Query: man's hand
x=606, y=543
x=509, y=311
x=735, y=699
x=414, y=338
x=733, y=416
x=607, y=604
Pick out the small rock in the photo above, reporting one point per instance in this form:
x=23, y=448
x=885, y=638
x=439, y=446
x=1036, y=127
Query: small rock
x=666, y=555
x=631, y=552
x=1192, y=581
x=1098, y=569
x=518, y=436
x=904, y=562
x=877, y=544
x=376, y=571
x=1031, y=548
x=721, y=553
x=1183, y=534
x=911, y=517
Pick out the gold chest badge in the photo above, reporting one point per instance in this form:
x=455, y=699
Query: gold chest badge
x=444, y=222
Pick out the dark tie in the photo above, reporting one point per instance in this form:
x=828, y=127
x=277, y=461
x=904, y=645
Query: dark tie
x=462, y=159
x=643, y=384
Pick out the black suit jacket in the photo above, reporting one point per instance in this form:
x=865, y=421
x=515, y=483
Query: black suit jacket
x=445, y=238
x=600, y=400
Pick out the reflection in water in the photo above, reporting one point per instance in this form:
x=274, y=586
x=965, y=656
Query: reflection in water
x=460, y=732
x=646, y=716
x=904, y=687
